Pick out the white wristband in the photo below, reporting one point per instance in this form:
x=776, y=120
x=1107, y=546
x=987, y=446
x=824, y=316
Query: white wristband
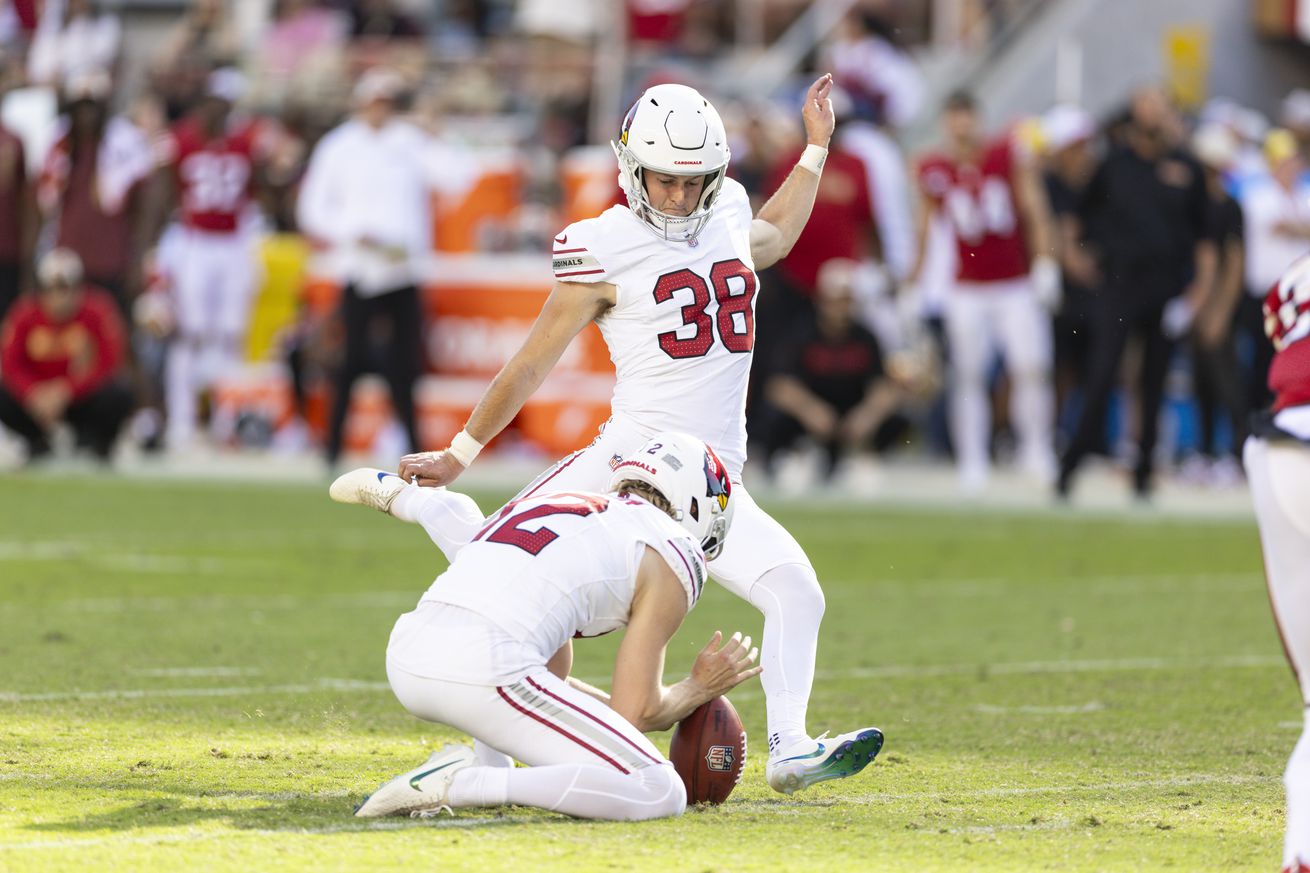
x=812, y=158
x=464, y=448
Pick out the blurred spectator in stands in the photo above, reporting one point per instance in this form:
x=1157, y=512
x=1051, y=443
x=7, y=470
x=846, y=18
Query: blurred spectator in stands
x=365, y=199
x=92, y=186
x=211, y=172
x=381, y=19
x=886, y=92
x=1146, y=214
x=61, y=356
x=17, y=222
x=300, y=53
x=1295, y=117
x=828, y=381
x=842, y=225
x=1215, y=374
x=71, y=39
x=1276, y=212
x=205, y=39
x=1069, y=134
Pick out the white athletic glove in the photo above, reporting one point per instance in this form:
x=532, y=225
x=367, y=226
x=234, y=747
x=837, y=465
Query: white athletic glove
x=1177, y=318
x=1045, y=277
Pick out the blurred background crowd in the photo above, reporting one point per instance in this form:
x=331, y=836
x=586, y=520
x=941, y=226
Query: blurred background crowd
x=318, y=227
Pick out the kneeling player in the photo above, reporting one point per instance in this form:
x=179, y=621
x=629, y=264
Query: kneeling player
x=1277, y=459
x=474, y=653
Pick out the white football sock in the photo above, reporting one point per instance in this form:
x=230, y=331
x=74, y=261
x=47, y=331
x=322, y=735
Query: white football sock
x=180, y=391
x=451, y=519
x=971, y=424
x=579, y=790
x=792, y=603
x=1032, y=408
x=1296, y=779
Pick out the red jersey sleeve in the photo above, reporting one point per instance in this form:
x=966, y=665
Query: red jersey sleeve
x=101, y=318
x=16, y=368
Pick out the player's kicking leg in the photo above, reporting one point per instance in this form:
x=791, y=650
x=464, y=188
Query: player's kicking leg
x=451, y=519
x=763, y=564
x=1279, y=474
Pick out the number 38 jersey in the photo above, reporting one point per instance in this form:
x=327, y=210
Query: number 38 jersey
x=682, y=333
x=555, y=566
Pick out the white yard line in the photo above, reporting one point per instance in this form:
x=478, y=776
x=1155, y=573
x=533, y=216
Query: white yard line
x=196, y=672
x=1234, y=662
x=229, y=691
x=443, y=823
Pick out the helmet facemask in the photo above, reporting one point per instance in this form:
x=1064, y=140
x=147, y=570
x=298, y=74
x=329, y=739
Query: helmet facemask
x=672, y=129
x=671, y=228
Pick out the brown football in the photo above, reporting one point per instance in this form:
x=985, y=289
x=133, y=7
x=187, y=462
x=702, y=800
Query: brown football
x=709, y=751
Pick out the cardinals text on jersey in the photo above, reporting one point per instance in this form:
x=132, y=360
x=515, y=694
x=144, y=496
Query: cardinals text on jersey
x=683, y=330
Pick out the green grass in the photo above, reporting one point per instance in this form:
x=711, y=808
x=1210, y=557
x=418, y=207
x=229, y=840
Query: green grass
x=1058, y=692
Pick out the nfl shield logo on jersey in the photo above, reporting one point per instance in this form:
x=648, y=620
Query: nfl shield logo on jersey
x=719, y=758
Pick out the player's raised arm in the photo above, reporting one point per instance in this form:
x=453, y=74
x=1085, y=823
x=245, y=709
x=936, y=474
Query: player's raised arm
x=570, y=307
x=639, y=694
x=780, y=221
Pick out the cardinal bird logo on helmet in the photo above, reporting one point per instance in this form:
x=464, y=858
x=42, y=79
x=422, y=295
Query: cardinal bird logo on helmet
x=717, y=483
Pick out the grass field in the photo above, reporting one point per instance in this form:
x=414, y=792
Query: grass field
x=192, y=680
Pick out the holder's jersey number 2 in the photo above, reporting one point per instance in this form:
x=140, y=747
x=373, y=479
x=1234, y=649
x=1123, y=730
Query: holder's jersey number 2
x=734, y=289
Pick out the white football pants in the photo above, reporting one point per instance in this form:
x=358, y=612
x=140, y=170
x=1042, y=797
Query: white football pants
x=1279, y=474
x=761, y=563
x=213, y=279
x=982, y=319
x=583, y=758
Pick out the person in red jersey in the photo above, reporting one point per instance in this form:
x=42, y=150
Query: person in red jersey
x=1277, y=460
x=1006, y=285
x=211, y=163
x=61, y=357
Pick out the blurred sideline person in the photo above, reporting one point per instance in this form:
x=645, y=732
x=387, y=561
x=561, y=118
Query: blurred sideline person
x=93, y=184
x=1216, y=375
x=1146, y=215
x=1276, y=212
x=364, y=198
x=670, y=281
x=1277, y=458
x=828, y=379
x=212, y=168
x=1006, y=286
x=17, y=224
x=61, y=356
x=476, y=654
x=1069, y=134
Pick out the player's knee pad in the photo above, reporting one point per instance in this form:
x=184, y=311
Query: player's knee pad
x=793, y=589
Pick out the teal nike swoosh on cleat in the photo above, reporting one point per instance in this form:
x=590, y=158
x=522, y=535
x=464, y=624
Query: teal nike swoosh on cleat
x=816, y=753
x=413, y=783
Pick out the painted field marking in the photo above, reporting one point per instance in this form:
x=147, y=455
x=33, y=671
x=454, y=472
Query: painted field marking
x=194, y=836
x=1232, y=662
x=195, y=672
x=990, y=709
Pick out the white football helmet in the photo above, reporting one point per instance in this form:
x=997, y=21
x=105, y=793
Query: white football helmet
x=692, y=479
x=672, y=129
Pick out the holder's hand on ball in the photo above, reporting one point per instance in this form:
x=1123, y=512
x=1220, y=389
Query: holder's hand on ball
x=719, y=669
x=430, y=469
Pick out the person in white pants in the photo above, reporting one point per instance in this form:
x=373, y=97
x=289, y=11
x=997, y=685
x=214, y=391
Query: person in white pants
x=476, y=652
x=1277, y=460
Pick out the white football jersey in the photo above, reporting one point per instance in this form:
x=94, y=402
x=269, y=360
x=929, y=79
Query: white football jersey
x=683, y=330
x=556, y=566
